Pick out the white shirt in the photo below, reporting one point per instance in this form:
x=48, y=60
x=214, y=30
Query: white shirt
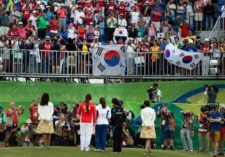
x=103, y=115
x=148, y=117
x=34, y=21
x=122, y=22
x=77, y=17
x=134, y=17
x=46, y=112
x=223, y=11
x=158, y=97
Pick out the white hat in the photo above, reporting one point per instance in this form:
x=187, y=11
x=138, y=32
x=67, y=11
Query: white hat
x=20, y=23
x=47, y=37
x=96, y=37
x=28, y=121
x=62, y=4
x=139, y=39
x=206, y=39
x=190, y=41
x=34, y=11
x=38, y=2
x=130, y=39
x=47, y=6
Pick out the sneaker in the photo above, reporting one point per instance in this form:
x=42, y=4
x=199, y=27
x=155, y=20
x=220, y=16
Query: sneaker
x=87, y=149
x=171, y=148
x=102, y=150
x=191, y=150
x=97, y=150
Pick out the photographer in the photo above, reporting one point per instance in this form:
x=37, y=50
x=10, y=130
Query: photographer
x=215, y=119
x=187, y=130
x=203, y=130
x=2, y=124
x=167, y=127
x=27, y=131
x=117, y=120
x=222, y=131
x=148, y=117
x=62, y=128
x=154, y=94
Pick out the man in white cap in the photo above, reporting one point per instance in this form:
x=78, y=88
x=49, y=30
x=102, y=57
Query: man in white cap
x=191, y=46
x=130, y=50
x=62, y=13
x=122, y=22
x=27, y=132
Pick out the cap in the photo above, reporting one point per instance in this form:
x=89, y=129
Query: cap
x=206, y=39
x=1, y=107
x=38, y=2
x=47, y=6
x=190, y=41
x=47, y=37
x=96, y=37
x=28, y=121
x=62, y=4
x=34, y=11
x=20, y=23
x=91, y=23
x=222, y=106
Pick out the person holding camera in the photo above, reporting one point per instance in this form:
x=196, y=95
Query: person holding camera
x=203, y=131
x=103, y=117
x=148, y=117
x=187, y=130
x=222, y=131
x=86, y=112
x=154, y=93
x=211, y=92
x=117, y=121
x=27, y=133
x=215, y=119
x=62, y=129
x=2, y=124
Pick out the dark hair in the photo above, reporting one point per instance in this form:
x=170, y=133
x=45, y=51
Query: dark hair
x=87, y=99
x=155, y=85
x=102, y=102
x=147, y=103
x=115, y=101
x=44, y=99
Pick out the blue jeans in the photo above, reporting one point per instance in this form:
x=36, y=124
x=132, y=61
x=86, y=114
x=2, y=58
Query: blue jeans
x=101, y=132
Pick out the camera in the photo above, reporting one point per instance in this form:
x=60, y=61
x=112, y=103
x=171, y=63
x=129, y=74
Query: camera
x=65, y=126
x=209, y=108
x=187, y=113
x=150, y=92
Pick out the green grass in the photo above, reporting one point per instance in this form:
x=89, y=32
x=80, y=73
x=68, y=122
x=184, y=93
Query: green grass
x=75, y=152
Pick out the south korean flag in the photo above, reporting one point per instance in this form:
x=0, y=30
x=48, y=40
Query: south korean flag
x=109, y=60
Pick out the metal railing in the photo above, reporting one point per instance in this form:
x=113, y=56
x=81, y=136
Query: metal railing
x=75, y=64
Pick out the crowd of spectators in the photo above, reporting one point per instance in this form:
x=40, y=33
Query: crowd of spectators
x=142, y=26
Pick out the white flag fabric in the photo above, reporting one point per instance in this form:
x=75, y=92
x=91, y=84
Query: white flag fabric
x=109, y=60
x=181, y=58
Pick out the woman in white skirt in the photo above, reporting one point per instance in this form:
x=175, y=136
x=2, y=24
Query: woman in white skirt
x=45, y=115
x=148, y=126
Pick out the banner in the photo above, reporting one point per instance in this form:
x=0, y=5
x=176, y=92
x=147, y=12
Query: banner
x=109, y=60
x=181, y=58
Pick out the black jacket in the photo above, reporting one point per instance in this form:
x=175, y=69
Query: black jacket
x=118, y=116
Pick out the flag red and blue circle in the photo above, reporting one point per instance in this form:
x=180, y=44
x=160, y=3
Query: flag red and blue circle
x=167, y=53
x=112, y=58
x=187, y=59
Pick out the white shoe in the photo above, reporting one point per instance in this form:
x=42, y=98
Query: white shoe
x=87, y=149
x=191, y=150
x=97, y=150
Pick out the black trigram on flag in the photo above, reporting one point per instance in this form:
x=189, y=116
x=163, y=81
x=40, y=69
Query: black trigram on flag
x=196, y=56
x=178, y=63
x=182, y=55
x=99, y=51
x=101, y=67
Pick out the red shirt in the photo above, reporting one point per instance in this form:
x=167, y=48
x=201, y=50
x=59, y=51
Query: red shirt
x=10, y=113
x=206, y=48
x=122, y=9
x=29, y=28
x=33, y=113
x=61, y=13
x=26, y=14
x=81, y=32
x=88, y=19
x=12, y=33
x=22, y=3
x=87, y=117
x=101, y=3
x=184, y=31
x=156, y=15
x=55, y=23
x=47, y=46
x=22, y=32
x=81, y=3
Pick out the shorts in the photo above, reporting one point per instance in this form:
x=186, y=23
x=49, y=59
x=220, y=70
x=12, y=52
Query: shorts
x=214, y=136
x=198, y=16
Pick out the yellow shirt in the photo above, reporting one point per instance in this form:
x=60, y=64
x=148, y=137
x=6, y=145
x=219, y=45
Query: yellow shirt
x=154, y=50
x=84, y=49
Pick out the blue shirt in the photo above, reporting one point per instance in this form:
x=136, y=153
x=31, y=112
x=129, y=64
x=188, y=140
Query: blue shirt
x=191, y=48
x=215, y=126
